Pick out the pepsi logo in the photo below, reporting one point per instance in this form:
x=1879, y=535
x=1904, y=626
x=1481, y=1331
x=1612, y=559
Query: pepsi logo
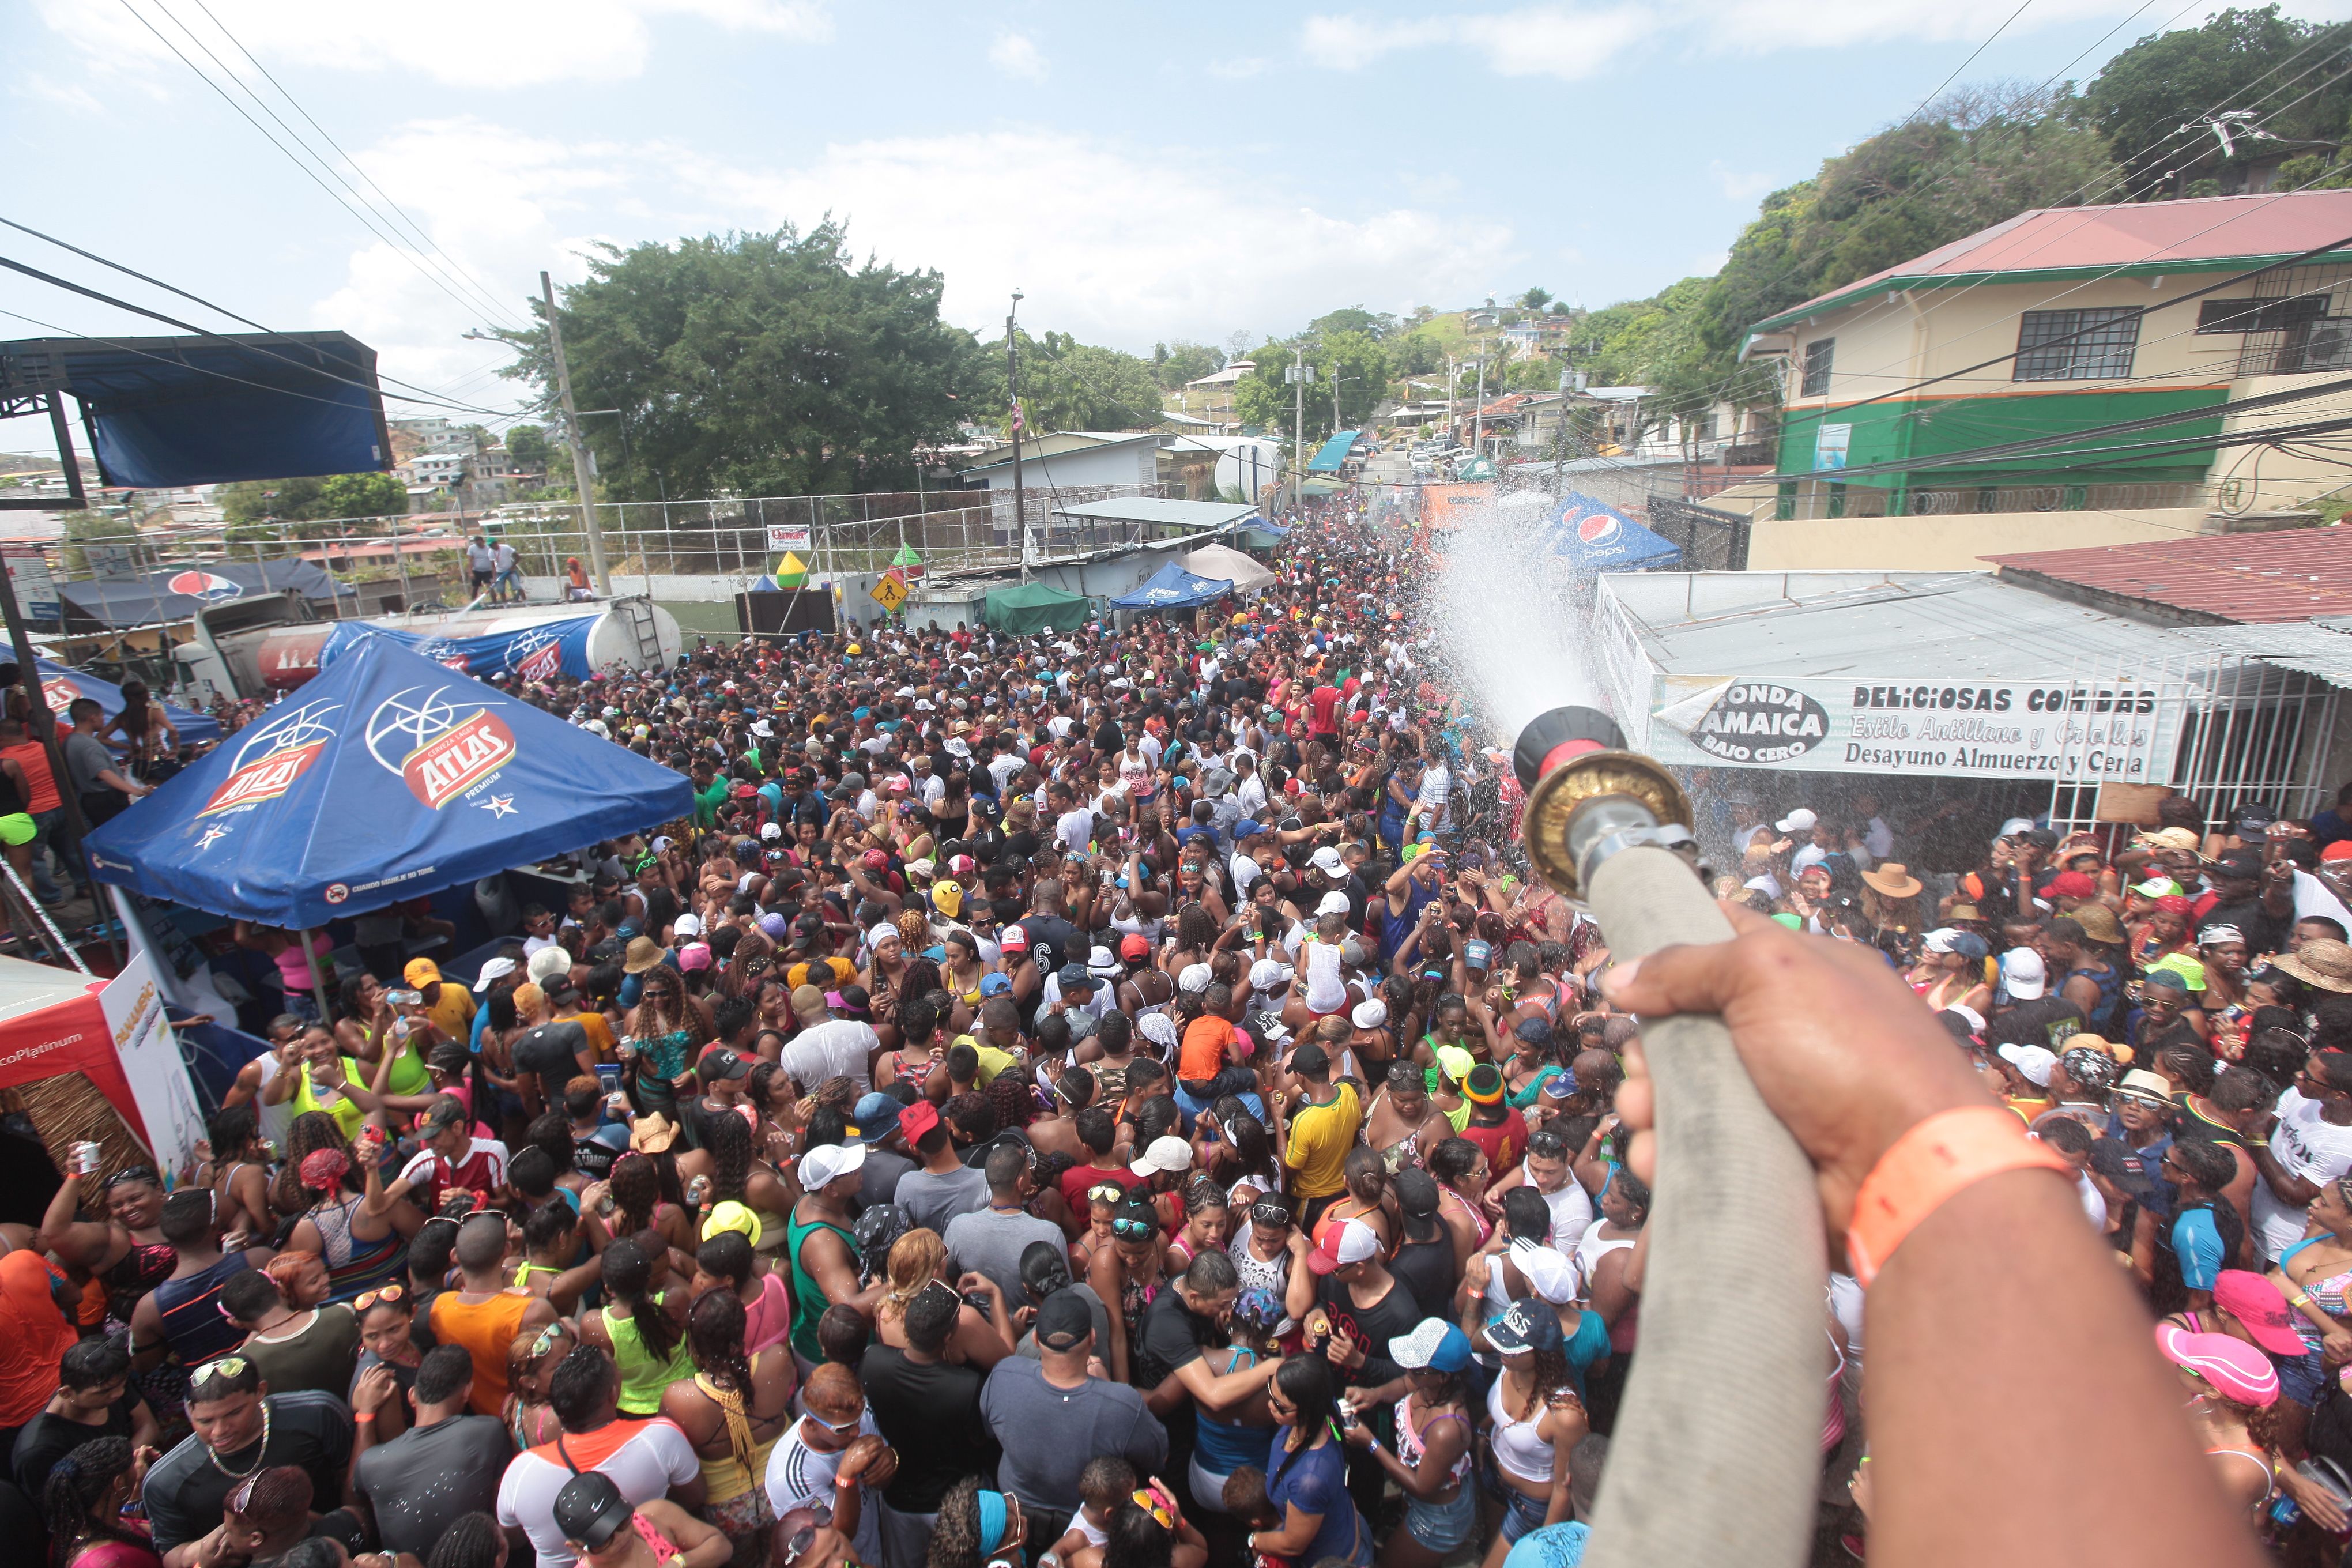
x=1598, y=529
x=202, y=585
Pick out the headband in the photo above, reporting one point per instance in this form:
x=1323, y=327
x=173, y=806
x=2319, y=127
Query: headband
x=992, y=1521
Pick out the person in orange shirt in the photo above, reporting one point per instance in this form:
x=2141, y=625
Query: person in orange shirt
x=482, y=1314
x=48, y=809
x=1208, y=1064
x=34, y=1337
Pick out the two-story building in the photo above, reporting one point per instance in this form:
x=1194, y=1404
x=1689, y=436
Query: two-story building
x=1904, y=388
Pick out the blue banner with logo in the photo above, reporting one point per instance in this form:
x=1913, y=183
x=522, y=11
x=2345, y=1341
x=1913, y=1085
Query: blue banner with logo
x=535, y=653
x=386, y=776
x=1592, y=535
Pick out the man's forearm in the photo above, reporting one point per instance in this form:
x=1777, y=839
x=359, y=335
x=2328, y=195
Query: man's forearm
x=1959, y=1344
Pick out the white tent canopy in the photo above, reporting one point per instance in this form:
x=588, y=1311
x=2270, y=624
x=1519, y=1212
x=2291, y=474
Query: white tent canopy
x=1220, y=560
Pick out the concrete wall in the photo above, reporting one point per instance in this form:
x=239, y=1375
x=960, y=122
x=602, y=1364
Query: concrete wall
x=1955, y=543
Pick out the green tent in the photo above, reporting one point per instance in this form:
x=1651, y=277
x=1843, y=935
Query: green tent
x=1032, y=607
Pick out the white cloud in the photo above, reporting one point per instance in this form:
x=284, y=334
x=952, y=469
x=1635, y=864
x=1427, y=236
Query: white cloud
x=1740, y=187
x=459, y=43
x=1240, y=70
x=1570, y=41
x=1014, y=55
x=1218, y=243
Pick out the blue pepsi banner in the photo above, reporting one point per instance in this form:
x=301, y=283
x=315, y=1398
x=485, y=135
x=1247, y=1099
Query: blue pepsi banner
x=534, y=653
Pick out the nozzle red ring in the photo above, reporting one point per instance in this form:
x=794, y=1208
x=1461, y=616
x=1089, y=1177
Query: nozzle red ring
x=1567, y=751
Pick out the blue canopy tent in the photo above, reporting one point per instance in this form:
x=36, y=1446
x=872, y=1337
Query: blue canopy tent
x=535, y=652
x=1259, y=534
x=60, y=686
x=205, y=409
x=389, y=777
x=1173, y=588
x=1593, y=536
x=1333, y=453
x=177, y=593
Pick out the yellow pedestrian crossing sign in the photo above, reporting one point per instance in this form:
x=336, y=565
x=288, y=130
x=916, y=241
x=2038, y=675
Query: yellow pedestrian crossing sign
x=889, y=592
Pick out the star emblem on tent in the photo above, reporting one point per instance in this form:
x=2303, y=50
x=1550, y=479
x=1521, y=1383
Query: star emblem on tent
x=498, y=804
x=217, y=831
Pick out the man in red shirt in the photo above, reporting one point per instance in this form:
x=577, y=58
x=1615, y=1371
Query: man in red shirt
x=453, y=1160
x=1323, y=713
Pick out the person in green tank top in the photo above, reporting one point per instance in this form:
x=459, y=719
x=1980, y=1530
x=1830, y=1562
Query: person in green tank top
x=825, y=1256
x=642, y=1326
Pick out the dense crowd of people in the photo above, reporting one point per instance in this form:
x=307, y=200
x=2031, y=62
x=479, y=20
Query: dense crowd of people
x=1117, y=1097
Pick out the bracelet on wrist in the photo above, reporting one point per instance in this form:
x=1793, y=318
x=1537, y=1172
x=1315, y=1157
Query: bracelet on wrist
x=1926, y=1167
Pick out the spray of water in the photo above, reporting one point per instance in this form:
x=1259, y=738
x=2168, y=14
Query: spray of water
x=1507, y=629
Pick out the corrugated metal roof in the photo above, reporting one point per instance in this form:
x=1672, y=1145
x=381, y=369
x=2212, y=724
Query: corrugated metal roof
x=2133, y=234
x=1885, y=625
x=2311, y=647
x=2292, y=575
x=1159, y=509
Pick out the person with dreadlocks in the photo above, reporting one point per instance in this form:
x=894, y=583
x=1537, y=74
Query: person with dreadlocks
x=645, y=1194
x=732, y=1411
x=83, y=1506
x=640, y=1326
x=736, y=1175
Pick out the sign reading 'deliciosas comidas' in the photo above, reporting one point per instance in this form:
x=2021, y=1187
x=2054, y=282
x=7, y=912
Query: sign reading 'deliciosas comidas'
x=2057, y=729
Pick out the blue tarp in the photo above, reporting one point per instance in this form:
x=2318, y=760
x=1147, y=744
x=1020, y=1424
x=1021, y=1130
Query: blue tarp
x=60, y=686
x=385, y=777
x=177, y=593
x=536, y=653
x=1173, y=588
x=1593, y=536
x=207, y=410
x=1334, y=452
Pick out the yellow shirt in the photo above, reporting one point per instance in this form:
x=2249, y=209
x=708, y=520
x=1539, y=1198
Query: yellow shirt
x=453, y=1011
x=992, y=1062
x=599, y=1032
x=1321, y=1137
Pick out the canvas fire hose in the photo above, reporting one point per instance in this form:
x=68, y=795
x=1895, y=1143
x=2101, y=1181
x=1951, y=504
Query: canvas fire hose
x=1716, y=1458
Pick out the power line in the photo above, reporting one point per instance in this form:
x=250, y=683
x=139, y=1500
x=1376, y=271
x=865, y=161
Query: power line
x=36, y=273
x=414, y=228
x=405, y=253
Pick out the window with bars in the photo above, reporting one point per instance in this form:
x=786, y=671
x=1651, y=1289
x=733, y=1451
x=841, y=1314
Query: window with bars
x=2078, y=345
x=1818, y=355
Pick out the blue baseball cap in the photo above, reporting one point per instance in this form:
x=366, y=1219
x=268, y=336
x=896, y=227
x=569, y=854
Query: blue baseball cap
x=994, y=985
x=1435, y=1345
x=1247, y=827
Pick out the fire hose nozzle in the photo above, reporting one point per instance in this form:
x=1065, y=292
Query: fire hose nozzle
x=1589, y=797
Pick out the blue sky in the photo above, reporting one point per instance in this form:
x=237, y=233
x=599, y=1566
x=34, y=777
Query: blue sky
x=1141, y=172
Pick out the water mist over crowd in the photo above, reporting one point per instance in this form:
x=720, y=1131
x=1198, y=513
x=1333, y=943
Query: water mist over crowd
x=1505, y=629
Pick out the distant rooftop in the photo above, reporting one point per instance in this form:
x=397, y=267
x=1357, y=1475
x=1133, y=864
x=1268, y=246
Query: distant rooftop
x=2293, y=575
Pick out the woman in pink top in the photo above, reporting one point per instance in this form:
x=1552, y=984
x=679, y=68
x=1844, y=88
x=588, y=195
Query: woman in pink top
x=726, y=1259
x=295, y=974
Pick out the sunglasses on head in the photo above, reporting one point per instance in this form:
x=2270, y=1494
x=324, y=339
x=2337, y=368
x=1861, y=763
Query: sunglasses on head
x=388, y=1295
x=1270, y=1214
x=133, y=1173
x=1134, y=1229
x=1550, y=1145
x=227, y=1366
x=1106, y=1192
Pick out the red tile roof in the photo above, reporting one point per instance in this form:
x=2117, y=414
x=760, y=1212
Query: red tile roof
x=2292, y=575
x=2133, y=234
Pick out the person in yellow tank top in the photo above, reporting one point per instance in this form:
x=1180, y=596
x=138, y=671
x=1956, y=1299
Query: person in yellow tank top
x=328, y=1080
x=733, y=1410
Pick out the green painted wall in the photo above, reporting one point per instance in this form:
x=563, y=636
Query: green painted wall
x=1890, y=431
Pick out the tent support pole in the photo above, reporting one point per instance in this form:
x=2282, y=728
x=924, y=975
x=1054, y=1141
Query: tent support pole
x=317, y=981
x=28, y=672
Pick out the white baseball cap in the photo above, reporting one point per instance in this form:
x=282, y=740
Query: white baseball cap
x=1798, y=821
x=1335, y=902
x=2022, y=974
x=1550, y=1275
x=1266, y=973
x=771, y=831
x=1326, y=861
x=2033, y=1061
x=829, y=1163
x=495, y=969
x=687, y=925
x=1170, y=1154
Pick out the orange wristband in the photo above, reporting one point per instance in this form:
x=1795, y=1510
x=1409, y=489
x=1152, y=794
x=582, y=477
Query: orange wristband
x=1947, y=1152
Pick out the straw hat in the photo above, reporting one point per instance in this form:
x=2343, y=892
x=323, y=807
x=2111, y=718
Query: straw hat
x=2098, y=922
x=1894, y=879
x=2323, y=962
x=652, y=1133
x=642, y=954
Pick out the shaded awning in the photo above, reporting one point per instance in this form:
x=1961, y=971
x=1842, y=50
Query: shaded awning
x=177, y=593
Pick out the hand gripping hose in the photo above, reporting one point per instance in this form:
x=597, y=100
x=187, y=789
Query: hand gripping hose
x=1716, y=1458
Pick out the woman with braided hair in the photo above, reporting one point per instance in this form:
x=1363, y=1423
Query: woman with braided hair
x=640, y=1325
x=644, y=1192
x=976, y=1526
x=83, y=1505
x=662, y=1029
x=733, y=1410
x=737, y=1175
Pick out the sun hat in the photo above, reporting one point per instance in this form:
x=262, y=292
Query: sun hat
x=2098, y=923
x=735, y=1216
x=652, y=1133
x=2237, y=1370
x=644, y=953
x=2323, y=962
x=1894, y=879
x=2149, y=1088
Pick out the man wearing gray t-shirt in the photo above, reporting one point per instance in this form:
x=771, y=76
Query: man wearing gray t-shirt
x=990, y=1240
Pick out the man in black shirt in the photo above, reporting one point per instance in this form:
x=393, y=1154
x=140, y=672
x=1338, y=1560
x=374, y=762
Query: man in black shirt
x=226, y=1405
x=928, y=1408
x=2257, y=899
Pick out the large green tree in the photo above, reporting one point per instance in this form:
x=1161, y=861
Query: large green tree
x=2150, y=100
x=1174, y=364
x=757, y=365
x=256, y=509
x=1069, y=385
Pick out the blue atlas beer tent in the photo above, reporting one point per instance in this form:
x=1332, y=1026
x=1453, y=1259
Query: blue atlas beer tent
x=1593, y=536
x=386, y=776
x=1173, y=588
x=60, y=686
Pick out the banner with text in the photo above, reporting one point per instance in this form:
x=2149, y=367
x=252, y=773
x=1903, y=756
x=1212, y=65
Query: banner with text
x=2063, y=728
x=788, y=536
x=150, y=1053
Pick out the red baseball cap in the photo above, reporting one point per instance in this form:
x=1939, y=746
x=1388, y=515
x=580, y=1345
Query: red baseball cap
x=1134, y=945
x=1013, y=940
x=918, y=1119
x=2339, y=850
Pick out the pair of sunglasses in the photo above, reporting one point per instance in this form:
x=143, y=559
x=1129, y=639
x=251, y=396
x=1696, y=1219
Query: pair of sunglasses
x=366, y=1298
x=1134, y=1229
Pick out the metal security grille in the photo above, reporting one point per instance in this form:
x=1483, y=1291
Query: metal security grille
x=1819, y=355
x=2078, y=345
x=2299, y=320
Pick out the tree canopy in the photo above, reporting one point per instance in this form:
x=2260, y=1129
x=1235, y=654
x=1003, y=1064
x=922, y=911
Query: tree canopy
x=1069, y=385
x=1174, y=364
x=758, y=365
x=254, y=508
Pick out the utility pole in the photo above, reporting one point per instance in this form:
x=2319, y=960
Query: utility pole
x=1012, y=395
x=580, y=475
x=1478, y=415
x=1299, y=373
